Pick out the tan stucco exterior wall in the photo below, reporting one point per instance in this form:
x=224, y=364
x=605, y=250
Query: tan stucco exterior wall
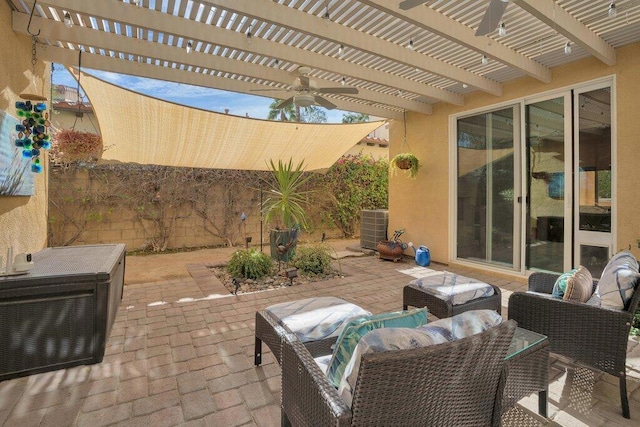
x=421, y=206
x=23, y=220
x=65, y=119
x=375, y=151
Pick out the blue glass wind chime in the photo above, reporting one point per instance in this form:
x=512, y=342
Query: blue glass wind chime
x=33, y=130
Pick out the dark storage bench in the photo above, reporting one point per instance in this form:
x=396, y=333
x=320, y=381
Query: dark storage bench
x=60, y=314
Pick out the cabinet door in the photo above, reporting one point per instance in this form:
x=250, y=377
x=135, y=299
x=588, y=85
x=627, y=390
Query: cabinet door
x=41, y=333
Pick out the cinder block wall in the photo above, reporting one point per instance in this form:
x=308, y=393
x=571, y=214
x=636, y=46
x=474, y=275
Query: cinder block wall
x=79, y=214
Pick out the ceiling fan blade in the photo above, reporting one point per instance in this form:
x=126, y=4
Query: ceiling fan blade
x=348, y=90
x=268, y=90
x=284, y=103
x=408, y=4
x=324, y=103
x=492, y=17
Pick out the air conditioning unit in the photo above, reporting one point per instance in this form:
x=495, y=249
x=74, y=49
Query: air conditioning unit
x=373, y=227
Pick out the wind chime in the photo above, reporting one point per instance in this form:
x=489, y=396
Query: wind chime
x=33, y=131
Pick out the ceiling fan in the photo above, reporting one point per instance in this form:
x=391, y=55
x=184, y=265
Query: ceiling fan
x=490, y=20
x=307, y=92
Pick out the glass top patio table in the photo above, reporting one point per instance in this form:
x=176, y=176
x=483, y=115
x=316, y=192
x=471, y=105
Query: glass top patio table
x=523, y=339
x=527, y=360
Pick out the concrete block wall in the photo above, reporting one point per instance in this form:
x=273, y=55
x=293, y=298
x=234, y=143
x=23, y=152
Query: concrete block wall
x=101, y=223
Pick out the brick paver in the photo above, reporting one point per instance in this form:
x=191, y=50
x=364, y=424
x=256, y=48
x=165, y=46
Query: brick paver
x=181, y=353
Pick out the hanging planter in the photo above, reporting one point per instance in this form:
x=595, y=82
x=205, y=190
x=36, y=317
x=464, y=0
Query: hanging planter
x=403, y=164
x=407, y=162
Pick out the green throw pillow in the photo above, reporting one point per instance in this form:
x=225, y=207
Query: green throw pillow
x=560, y=287
x=357, y=328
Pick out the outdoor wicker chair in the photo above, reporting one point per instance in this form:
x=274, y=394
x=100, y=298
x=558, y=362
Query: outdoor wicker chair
x=272, y=322
x=456, y=383
x=596, y=337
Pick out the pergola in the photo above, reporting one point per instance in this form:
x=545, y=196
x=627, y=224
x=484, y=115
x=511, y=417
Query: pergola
x=399, y=58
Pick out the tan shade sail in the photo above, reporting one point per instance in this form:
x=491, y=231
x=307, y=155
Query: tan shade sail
x=141, y=129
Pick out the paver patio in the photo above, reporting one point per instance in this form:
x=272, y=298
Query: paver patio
x=181, y=353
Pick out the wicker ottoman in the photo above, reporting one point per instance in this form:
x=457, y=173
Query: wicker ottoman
x=446, y=294
x=315, y=321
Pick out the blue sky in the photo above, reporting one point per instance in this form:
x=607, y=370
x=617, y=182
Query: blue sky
x=192, y=96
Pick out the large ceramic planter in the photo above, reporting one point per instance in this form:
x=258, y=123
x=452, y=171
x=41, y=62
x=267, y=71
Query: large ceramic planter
x=391, y=250
x=282, y=244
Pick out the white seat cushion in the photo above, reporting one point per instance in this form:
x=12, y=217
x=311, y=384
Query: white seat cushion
x=323, y=362
x=314, y=319
x=453, y=287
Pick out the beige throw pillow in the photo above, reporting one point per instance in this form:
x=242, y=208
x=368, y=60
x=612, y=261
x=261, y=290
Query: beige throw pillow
x=579, y=286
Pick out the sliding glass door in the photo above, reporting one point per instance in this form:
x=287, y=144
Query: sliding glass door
x=548, y=185
x=534, y=183
x=486, y=174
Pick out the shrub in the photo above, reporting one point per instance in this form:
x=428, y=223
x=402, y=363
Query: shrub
x=635, y=325
x=353, y=183
x=69, y=145
x=250, y=264
x=313, y=260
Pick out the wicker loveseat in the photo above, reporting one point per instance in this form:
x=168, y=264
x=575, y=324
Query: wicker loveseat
x=594, y=336
x=456, y=383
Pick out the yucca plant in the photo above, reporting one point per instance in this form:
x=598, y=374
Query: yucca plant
x=285, y=202
x=284, y=206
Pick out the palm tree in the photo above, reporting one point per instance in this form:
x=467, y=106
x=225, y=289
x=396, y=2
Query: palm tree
x=293, y=113
x=355, y=118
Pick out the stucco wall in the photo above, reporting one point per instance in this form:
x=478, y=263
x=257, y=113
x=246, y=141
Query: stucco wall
x=421, y=206
x=373, y=150
x=23, y=220
x=65, y=119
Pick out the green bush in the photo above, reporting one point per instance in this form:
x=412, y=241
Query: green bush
x=313, y=260
x=353, y=183
x=250, y=264
x=635, y=324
